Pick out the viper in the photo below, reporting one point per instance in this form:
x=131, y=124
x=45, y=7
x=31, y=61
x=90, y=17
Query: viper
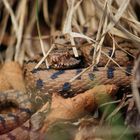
x=62, y=78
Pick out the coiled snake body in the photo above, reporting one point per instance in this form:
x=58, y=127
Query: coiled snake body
x=50, y=80
x=13, y=120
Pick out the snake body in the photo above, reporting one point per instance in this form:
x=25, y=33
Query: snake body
x=50, y=80
x=60, y=80
x=12, y=120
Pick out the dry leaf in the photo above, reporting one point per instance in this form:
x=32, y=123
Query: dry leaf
x=78, y=106
x=11, y=77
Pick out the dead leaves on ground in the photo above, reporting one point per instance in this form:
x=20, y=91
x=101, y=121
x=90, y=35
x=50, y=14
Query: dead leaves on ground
x=11, y=76
x=78, y=106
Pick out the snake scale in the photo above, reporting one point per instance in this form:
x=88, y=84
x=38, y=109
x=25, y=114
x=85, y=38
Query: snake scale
x=53, y=80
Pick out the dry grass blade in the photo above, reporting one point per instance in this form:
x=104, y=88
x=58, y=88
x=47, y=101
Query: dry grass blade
x=101, y=23
x=81, y=35
x=45, y=12
x=44, y=57
x=116, y=63
x=54, y=17
x=132, y=20
x=13, y=18
x=128, y=33
x=99, y=37
x=68, y=21
x=41, y=42
x=42, y=45
x=75, y=77
x=20, y=29
x=117, y=45
x=10, y=52
x=117, y=109
x=67, y=28
x=113, y=51
x=90, y=15
x=26, y=44
x=3, y=26
x=118, y=15
x=117, y=32
x=80, y=15
x=122, y=30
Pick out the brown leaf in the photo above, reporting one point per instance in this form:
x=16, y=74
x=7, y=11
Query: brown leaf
x=11, y=77
x=78, y=106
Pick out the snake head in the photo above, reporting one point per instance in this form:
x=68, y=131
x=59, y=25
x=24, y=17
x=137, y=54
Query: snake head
x=61, y=59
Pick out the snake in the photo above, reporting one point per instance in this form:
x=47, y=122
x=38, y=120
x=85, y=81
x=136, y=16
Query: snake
x=59, y=78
